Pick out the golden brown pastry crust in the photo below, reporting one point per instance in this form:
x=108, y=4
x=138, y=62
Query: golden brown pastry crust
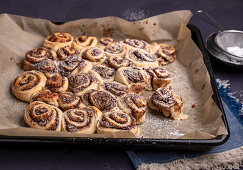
x=78, y=83
x=116, y=89
x=67, y=51
x=103, y=100
x=28, y=83
x=57, y=83
x=84, y=41
x=45, y=96
x=68, y=100
x=93, y=54
x=43, y=116
x=103, y=73
x=58, y=40
x=82, y=121
x=103, y=42
x=117, y=122
x=116, y=49
x=165, y=54
x=133, y=44
x=135, y=105
x=167, y=102
x=117, y=62
x=48, y=67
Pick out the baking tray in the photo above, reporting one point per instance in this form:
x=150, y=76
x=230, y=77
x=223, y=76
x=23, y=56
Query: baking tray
x=140, y=142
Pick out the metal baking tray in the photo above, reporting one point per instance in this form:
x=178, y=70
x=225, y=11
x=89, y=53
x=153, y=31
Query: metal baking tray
x=130, y=143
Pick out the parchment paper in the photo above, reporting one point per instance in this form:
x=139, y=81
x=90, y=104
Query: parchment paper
x=190, y=77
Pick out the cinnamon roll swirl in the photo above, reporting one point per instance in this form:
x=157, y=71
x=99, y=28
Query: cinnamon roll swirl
x=84, y=41
x=35, y=56
x=159, y=77
x=117, y=62
x=57, y=83
x=103, y=42
x=103, y=100
x=136, y=79
x=117, y=89
x=135, y=105
x=73, y=65
x=165, y=54
x=46, y=96
x=117, y=122
x=167, y=102
x=28, y=83
x=43, y=116
x=81, y=121
x=78, y=83
x=103, y=73
x=48, y=67
x=93, y=54
x=68, y=100
x=67, y=51
x=116, y=49
x=141, y=58
x=58, y=40
x=136, y=44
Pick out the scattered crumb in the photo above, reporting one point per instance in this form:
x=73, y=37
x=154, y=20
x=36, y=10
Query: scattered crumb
x=193, y=105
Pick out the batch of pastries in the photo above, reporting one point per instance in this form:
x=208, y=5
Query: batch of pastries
x=88, y=85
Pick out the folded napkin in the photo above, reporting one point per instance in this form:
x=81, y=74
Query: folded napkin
x=228, y=155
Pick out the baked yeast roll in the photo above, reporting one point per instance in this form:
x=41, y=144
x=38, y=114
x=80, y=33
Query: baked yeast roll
x=73, y=65
x=57, y=83
x=103, y=73
x=48, y=67
x=93, y=54
x=141, y=58
x=117, y=89
x=43, y=116
x=103, y=100
x=28, y=83
x=136, y=79
x=167, y=102
x=67, y=51
x=46, y=96
x=159, y=77
x=82, y=121
x=84, y=41
x=117, y=62
x=136, y=44
x=135, y=105
x=116, y=49
x=103, y=42
x=78, y=83
x=58, y=40
x=165, y=54
x=68, y=100
x=35, y=56
x=117, y=122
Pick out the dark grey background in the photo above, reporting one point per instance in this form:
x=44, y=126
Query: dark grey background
x=228, y=13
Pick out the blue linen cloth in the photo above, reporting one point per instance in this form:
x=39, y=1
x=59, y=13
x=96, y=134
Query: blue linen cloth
x=235, y=121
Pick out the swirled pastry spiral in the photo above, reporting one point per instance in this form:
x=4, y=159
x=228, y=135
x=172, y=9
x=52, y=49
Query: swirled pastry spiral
x=117, y=122
x=136, y=79
x=43, y=116
x=28, y=83
x=103, y=100
x=136, y=44
x=78, y=83
x=103, y=42
x=84, y=41
x=165, y=54
x=135, y=105
x=117, y=89
x=73, y=65
x=35, y=56
x=68, y=100
x=167, y=102
x=117, y=62
x=141, y=58
x=93, y=54
x=82, y=121
x=57, y=83
x=58, y=40
x=159, y=77
x=66, y=52
x=48, y=67
x=103, y=73
x=116, y=49
x=46, y=96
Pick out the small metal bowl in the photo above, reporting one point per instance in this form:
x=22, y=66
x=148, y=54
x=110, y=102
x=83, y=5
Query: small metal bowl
x=230, y=38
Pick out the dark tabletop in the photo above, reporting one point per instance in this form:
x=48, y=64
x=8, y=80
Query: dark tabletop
x=228, y=13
